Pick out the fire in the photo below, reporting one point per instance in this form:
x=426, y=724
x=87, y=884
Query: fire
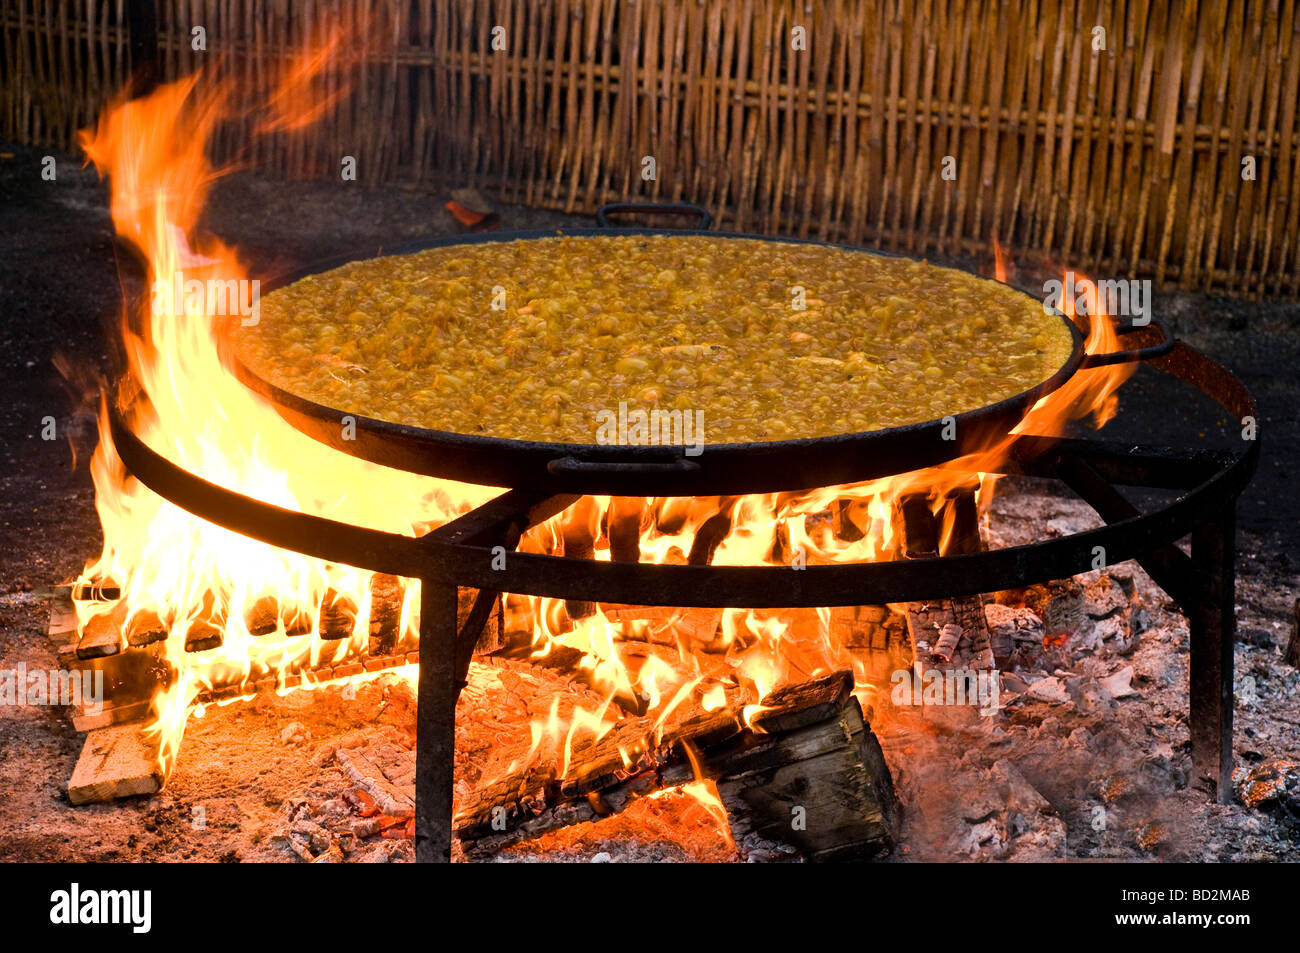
x=191, y=408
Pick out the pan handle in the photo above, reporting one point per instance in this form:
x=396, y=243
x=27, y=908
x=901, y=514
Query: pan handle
x=569, y=466
x=1134, y=354
x=662, y=208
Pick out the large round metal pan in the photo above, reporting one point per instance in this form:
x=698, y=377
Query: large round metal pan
x=721, y=469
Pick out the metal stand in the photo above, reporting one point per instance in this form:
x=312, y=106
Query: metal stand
x=435, y=724
x=1213, y=625
x=466, y=551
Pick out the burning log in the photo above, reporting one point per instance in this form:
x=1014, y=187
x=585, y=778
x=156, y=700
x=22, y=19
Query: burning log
x=145, y=628
x=263, y=616
x=338, y=615
x=202, y=635
x=204, y=632
x=848, y=518
x=920, y=529
x=664, y=624
x=385, y=613
x=948, y=626
x=623, y=526
x=99, y=590
x=102, y=636
x=711, y=534
x=578, y=544
x=807, y=771
x=492, y=637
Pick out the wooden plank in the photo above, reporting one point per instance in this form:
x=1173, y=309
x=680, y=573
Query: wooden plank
x=115, y=762
x=145, y=628
x=810, y=748
x=102, y=635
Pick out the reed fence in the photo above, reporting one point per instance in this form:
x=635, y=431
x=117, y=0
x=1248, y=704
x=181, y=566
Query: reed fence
x=1172, y=152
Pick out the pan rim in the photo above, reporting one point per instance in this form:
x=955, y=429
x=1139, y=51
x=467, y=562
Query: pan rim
x=594, y=452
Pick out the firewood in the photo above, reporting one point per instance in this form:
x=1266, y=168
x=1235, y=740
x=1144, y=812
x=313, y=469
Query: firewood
x=115, y=762
x=338, y=615
x=920, y=530
x=664, y=624
x=847, y=519
x=202, y=635
x=808, y=748
x=623, y=527
x=63, y=631
x=949, y=628
x=99, y=590
x=385, y=613
x=102, y=635
x=145, y=628
x=711, y=533
x=577, y=543
x=263, y=616
x=492, y=637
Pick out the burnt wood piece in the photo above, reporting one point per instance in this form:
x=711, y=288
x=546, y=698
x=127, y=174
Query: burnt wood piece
x=711, y=533
x=102, y=635
x=920, y=529
x=263, y=616
x=385, y=613
x=953, y=630
x=809, y=748
x=489, y=636
x=145, y=628
x=98, y=591
x=1061, y=605
x=847, y=519
x=578, y=544
x=338, y=615
x=834, y=770
x=129, y=678
x=664, y=624
x=202, y=635
x=63, y=629
x=623, y=526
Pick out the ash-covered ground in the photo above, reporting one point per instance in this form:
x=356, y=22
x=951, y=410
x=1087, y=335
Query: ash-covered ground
x=1065, y=771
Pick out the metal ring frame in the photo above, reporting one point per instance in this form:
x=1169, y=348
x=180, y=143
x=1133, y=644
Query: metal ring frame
x=461, y=550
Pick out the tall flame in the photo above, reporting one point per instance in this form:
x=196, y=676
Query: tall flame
x=195, y=412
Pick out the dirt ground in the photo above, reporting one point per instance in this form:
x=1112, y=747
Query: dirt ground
x=61, y=274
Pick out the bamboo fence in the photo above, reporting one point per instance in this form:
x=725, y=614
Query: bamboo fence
x=1128, y=160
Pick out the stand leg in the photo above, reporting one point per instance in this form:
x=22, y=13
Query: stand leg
x=435, y=732
x=1213, y=624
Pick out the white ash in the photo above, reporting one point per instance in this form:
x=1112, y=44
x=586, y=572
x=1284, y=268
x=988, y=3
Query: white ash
x=1097, y=727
